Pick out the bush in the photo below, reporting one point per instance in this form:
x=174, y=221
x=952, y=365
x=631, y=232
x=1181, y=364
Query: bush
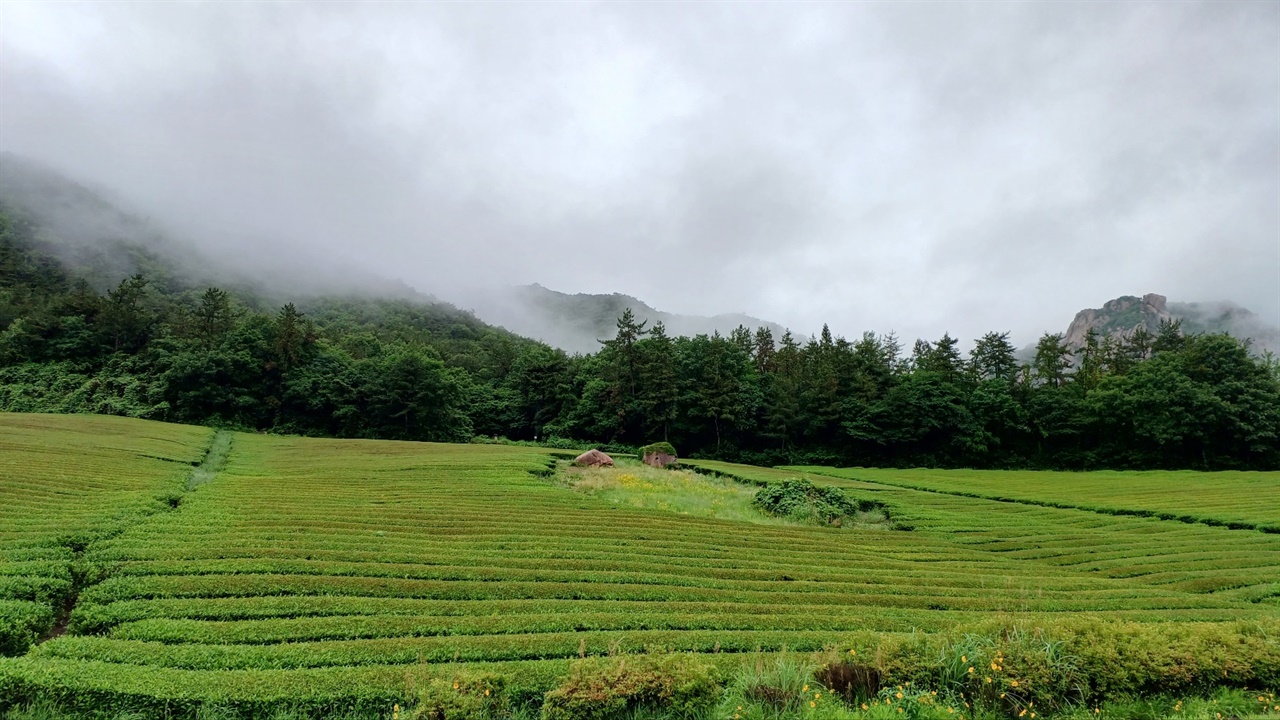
x=21, y=622
x=464, y=697
x=802, y=500
x=601, y=688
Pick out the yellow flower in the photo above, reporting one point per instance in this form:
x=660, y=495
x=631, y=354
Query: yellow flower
x=852, y=651
x=898, y=695
x=1014, y=683
x=455, y=686
x=817, y=696
x=813, y=704
x=951, y=711
x=1024, y=712
x=864, y=706
x=964, y=658
x=988, y=679
x=970, y=670
x=739, y=708
x=486, y=692
x=899, y=709
x=805, y=689
x=995, y=666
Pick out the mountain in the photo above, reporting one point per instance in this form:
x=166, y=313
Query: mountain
x=1127, y=313
x=577, y=323
x=100, y=237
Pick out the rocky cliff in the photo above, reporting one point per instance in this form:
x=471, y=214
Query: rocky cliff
x=1123, y=315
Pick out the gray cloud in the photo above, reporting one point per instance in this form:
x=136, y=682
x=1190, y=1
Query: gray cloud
x=924, y=167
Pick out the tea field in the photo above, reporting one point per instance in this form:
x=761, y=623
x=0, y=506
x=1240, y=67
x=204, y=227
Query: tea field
x=160, y=569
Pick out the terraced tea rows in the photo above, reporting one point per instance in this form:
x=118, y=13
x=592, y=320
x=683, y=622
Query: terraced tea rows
x=66, y=481
x=340, y=573
x=1231, y=498
x=1194, y=558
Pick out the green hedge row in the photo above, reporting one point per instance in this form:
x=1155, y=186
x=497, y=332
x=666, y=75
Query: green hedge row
x=1048, y=663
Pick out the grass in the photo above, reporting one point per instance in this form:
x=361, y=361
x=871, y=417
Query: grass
x=632, y=484
x=328, y=577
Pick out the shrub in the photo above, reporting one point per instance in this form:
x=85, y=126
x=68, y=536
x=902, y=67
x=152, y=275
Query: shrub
x=464, y=697
x=600, y=688
x=802, y=500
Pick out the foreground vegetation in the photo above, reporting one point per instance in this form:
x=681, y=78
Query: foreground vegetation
x=161, y=344
x=330, y=577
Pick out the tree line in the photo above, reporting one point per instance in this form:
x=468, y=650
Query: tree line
x=154, y=346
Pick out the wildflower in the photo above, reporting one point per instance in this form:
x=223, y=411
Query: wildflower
x=1024, y=712
x=813, y=704
x=486, y=692
x=995, y=666
x=1001, y=694
x=736, y=716
x=898, y=695
x=455, y=686
x=864, y=706
x=1013, y=684
x=852, y=651
x=951, y=711
x=817, y=696
x=899, y=709
x=988, y=679
x=805, y=689
x=970, y=669
x=739, y=708
x=964, y=658
x=1033, y=714
x=966, y=703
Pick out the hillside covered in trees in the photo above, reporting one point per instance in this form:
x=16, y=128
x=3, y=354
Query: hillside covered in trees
x=156, y=344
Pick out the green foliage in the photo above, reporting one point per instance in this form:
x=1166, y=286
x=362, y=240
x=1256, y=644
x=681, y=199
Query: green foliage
x=124, y=332
x=803, y=501
x=465, y=696
x=682, y=686
x=658, y=447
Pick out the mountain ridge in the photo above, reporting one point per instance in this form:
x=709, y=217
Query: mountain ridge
x=578, y=322
x=1121, y=316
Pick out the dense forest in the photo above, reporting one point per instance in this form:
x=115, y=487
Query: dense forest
x=154, y=345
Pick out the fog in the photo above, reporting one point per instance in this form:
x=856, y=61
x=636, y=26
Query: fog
x=918, y=167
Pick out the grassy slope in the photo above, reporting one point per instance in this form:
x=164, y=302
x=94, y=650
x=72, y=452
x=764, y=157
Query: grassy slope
x=342, y=572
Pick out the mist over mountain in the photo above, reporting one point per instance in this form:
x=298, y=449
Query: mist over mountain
x=578, y=322
x=103, y=236
x=1121, y=316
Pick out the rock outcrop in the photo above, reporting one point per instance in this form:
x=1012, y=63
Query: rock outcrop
x=593, y=458
x=1119, y=317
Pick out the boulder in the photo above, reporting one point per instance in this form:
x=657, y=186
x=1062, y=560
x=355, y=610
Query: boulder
x=593, y=458
x=659, y=455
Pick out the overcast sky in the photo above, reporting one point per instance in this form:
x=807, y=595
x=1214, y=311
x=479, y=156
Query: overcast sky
x=923, y=167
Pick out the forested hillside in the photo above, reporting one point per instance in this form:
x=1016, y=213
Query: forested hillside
x=157, y=345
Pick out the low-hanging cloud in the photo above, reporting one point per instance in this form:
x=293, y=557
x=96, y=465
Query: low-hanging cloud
x=919, y=167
